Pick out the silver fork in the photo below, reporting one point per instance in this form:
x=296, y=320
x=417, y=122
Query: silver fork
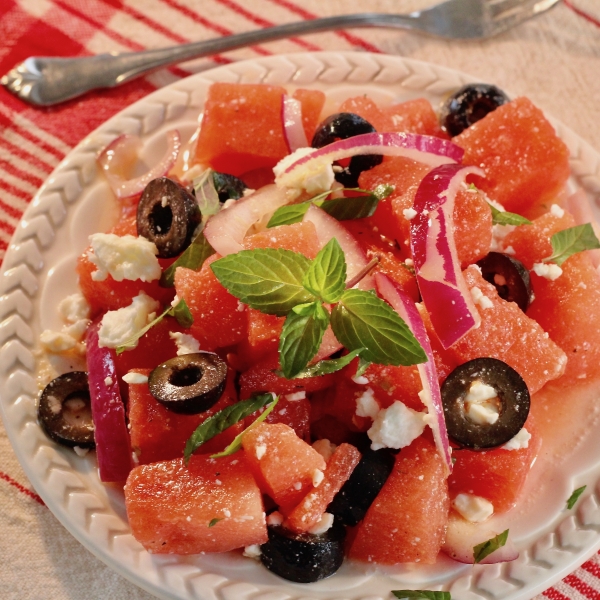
x=45, y=81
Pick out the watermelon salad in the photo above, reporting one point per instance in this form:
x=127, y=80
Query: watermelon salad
x=323, y=331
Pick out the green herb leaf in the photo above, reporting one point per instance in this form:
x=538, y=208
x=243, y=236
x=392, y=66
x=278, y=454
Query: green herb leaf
x=575, y=496
x=192, y=257
x=422, y=594
x=220, y=421
x=363, y=365
x=206, y=193
x=326, y=276
x=289, y=214
x=237, y=441
x=325, y=367
x=182, y=313
x=500, y=217
x=571, y=241
x=267, y=279
x=214, y=521
x=353, y=207
x=362, y=320
x=300, y=338
x=484, y=549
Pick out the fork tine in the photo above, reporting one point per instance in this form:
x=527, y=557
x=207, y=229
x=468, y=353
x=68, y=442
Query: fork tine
x=508, y=13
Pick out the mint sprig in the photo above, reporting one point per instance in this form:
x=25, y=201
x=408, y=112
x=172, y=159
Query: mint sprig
x=570, y=241
x=403, y=594
x=484, y=549
x=575, y=496
x=326, y=275
x=267, y=279
x=500, y=217
x=222, y=420
x=326, y=367
x=193, y=257
x=362, y=320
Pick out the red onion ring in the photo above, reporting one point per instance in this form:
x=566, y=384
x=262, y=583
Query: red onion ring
x=439, y=276
x=431, y=397
x=291, y=120
x=117, y=159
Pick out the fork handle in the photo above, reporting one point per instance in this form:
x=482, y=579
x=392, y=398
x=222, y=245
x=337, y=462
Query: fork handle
x=70, y=77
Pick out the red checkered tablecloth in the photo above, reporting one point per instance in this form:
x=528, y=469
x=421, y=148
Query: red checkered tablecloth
x=555, y=60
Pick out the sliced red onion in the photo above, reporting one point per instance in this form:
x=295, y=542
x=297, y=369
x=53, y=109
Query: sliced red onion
x=421, y=148
x=226, y=230
x=462, y=537
x=113, y=444
x=328, y=227
x=431, y=396
x=293, y=128
x=118, y=158
x=441, y=283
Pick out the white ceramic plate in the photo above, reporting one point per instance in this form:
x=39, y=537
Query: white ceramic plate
x=38, y=271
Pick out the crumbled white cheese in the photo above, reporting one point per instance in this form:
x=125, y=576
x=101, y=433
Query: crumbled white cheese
x=77, y=330
x=118, y=326
x=396, y=427
x=186, y=343
x=325, y=448
x=57, y=341
x=360, y=380
x=409, y=213
x=296, y=396
x=318, y=476
x=261, y=450
x=521, y=440
x=557, y=211
x=480, y=298
x=123, y=257
x=550, y=271
x=275, y=518
x=366, y=405
x=132, y=378
x=481, y=404
x=325, y=523
x=252, y=551
x=473, y=508
x=108, y=381
x=74, y=308
x=314, y=176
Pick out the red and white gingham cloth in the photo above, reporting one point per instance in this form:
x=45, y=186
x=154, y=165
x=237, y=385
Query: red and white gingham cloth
x=555, y=60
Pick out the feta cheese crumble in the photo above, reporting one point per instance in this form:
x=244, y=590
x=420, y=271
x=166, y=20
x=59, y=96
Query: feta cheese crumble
x=396, y=427
x=314, y=176
x=480, y=298
x=74, y=308
x=118, y=326
x=481, y=404
x=521, y=440
x=186, y=343
x=550, y=271
x=123, y=257
x=409, y=213
x=473, y=508
x=134, y=378
x=325, y=522
x=366, y=405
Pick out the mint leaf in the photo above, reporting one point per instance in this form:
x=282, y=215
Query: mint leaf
x=220, y=421
x=363, y=365
x=300, y=338
x=575, y=496
x=353, y=207
x=484, y=549
x=182, y=313
x=571, y=241
x=362, y=320
x=206, y=193
x=267, y=279
x=326, y=276
x=289, y=214
x=237, y=441
x=500, y=217
x=214, y=521
x=422, y=594
x=325, y=367
x=192, y=257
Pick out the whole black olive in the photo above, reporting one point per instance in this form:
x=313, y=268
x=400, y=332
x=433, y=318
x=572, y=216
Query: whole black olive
x=509, y=276
x=189, y=384
x=64, y=410
x=351, y=503
x=167, y=215
x=341, y=126
x=468, y=105
x=468, y=423
x=228, y=186
x=304, y=557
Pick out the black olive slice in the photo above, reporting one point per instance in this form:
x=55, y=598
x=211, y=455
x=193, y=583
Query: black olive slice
x=512, y=401
x=509, y=276
x=351, y=503
x=341, y=126
x=228, y=187
x=189, y=384
x=65, y=412
x=304, y=557
x=468, y=105
x=167, y=215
